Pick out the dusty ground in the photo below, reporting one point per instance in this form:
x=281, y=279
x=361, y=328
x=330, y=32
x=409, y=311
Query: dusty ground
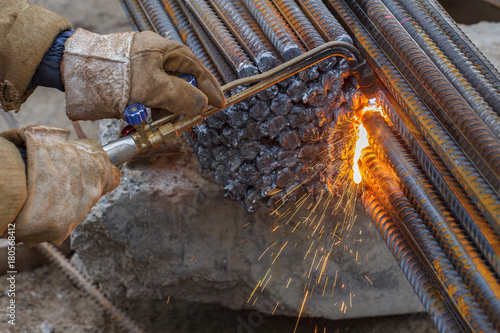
x=46, y=295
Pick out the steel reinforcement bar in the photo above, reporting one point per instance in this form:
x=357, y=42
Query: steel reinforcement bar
x=439, y=212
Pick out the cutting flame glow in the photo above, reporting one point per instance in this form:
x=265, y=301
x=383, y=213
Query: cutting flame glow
x=361, y=144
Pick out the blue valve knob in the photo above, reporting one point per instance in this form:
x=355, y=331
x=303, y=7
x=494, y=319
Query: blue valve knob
x=135, y=113
x=189, y=79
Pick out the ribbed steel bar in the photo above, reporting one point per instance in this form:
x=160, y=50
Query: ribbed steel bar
x=299, y=22
x=460, y=120
x=77, y=278
x=324, y=21
x=159, y=20
x=248, y=39
x=411, y=265
x=213, y=61
x=227, y=44
x=441, y=142
x=440, y=221
x=464, y=44
x=284, y=42
x=458, y=49
x=254, y=25
x=138, y=15
x=483, y=234
x=429, y=101
x=469, y=93
x=386, y=188
x=129, y=15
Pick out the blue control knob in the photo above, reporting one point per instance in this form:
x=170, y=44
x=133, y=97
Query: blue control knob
x=189, y=79
x=135, y=113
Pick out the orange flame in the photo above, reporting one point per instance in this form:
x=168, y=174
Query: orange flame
x=361, y=144
x=362, y=141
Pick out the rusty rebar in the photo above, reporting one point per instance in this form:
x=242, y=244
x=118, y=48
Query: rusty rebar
x=299, y=22
x=441, y=222
x=240, y=6
x=284, y=42
x=471, y=219
x=439, y=139
x=456, y=78
x=384, y=183
x=159, y=20
x=220, y=69
x=463, y=46
x=75, y=276
x=324, y=21
x=414, y=270
x=220, y=35
x=464, y=125
x=137, y=14
x=249, y=40
x=128, y=13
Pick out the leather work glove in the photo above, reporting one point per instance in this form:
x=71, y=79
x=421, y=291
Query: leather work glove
x=65, y=178
x=102, y=74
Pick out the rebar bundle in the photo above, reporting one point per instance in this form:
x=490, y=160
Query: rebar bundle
x=263, y=148
x=433, y=172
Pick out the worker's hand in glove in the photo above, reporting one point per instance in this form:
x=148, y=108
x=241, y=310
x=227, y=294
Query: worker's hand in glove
x=102, y=74
x=65, y=178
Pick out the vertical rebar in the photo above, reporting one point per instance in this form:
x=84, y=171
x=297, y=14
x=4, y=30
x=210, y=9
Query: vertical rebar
x=246, y=36
x=221, y=36
x=431, y=298
x=160, y=20
x=240, y=6
x=324, y=21
x=304, y=29
x=220, y=70
x=385, y=186
x=461, y=252
x=282, y=40
x=456, y=78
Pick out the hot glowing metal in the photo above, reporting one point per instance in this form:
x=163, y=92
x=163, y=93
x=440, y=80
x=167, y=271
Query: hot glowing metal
x=361, y=144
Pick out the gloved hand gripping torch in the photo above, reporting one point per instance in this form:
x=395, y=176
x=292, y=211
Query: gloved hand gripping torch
x=149, y=135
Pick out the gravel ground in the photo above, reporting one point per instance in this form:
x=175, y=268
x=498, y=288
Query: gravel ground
x=45, y=295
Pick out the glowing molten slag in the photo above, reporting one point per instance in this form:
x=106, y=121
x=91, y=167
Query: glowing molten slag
x=361, y=143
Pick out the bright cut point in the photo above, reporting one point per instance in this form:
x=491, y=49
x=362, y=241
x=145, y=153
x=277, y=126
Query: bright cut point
x=361, y=143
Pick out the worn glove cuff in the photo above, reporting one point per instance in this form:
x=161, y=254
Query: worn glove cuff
x=48, y=72
x=97, y=74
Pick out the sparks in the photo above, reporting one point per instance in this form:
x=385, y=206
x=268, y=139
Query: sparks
x=361, y=144
x=300, y=313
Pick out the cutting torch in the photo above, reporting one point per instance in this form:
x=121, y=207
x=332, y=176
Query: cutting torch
x=146, y=134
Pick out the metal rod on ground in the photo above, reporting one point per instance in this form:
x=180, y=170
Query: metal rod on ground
x=72, y=273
